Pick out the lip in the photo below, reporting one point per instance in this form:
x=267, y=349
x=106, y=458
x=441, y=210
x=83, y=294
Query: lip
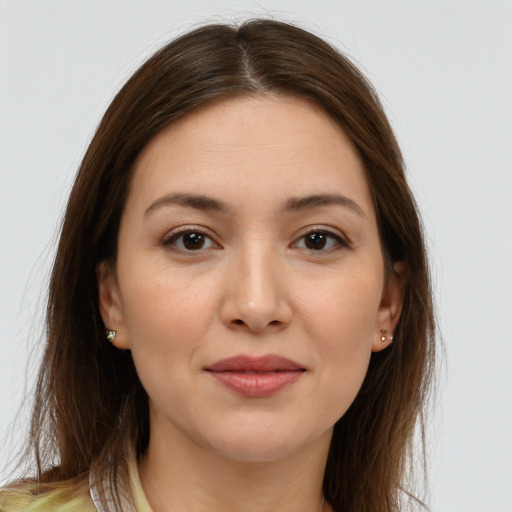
x=256, y=377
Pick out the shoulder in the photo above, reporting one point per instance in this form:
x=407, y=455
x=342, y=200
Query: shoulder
x=23, y=498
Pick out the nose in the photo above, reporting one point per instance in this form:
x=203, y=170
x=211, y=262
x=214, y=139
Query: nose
x=256, y=296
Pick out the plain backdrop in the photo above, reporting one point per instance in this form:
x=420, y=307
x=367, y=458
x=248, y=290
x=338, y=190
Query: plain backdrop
x=443, y=70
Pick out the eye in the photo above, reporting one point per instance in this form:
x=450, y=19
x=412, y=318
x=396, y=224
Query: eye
x=190, y=240
x=320, y=241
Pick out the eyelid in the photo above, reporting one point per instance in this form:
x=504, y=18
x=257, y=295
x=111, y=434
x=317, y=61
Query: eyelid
x=342, y=239
x=175, y=234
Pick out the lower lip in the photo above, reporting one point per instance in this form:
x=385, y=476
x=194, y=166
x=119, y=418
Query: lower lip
x=257, y=384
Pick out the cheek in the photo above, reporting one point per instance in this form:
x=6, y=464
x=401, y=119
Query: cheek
x=165, y=317
x=343, y=309
x=342, y=322
x=166, y=325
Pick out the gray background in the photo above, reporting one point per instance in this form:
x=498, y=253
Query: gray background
x=443, y=69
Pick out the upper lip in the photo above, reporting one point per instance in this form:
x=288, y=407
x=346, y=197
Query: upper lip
x=244, y=363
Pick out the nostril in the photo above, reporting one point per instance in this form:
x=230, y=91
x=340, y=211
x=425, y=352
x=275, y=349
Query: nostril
x=238, y=321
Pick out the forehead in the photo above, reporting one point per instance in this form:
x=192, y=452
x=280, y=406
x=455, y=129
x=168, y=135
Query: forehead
x=252, y=146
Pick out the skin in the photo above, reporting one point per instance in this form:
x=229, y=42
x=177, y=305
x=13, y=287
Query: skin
x=256, y=286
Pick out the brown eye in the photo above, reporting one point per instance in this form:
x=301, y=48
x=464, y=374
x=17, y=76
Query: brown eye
x=193, y=241
x=190, y=241
x=321, y=241
x=315, y=241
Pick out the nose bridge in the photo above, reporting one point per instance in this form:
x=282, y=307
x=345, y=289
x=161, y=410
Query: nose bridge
x=257, y=297
x=258, y=265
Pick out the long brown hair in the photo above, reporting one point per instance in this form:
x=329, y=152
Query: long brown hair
x=90, y=404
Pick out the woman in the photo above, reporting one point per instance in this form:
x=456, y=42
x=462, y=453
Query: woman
x=239, y=314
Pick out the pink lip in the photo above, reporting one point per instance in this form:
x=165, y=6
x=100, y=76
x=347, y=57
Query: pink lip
x=256, y=377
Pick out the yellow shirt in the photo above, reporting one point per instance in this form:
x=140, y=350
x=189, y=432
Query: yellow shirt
x=21, y=499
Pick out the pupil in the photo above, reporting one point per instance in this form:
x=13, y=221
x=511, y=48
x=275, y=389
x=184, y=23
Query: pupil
x=193, y=241
x=316, y=241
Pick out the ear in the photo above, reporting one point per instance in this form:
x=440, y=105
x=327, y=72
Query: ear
x=390, y=306
x=110, y=304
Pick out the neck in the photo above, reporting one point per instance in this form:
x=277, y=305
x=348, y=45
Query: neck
x=180, y=475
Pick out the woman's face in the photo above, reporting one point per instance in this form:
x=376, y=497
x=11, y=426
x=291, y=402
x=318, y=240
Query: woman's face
x=249, y=283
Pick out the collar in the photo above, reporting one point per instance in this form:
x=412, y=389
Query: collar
x=132, y=495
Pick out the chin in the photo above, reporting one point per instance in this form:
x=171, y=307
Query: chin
x=267, y=444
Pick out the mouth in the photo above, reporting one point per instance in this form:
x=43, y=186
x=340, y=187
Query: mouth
x=256, y=377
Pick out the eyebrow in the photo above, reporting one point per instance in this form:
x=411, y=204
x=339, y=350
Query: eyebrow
x=293, y=204
x=315, y=201
x=195, y=201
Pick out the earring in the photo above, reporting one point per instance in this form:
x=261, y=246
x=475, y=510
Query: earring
x=384, y=337
x=111, y=335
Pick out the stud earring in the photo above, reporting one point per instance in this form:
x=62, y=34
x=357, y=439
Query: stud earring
x=111, y=335
x=384, y=337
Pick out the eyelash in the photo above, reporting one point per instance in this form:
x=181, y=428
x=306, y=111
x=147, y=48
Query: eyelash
x=340, y=242
x=172, y=238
